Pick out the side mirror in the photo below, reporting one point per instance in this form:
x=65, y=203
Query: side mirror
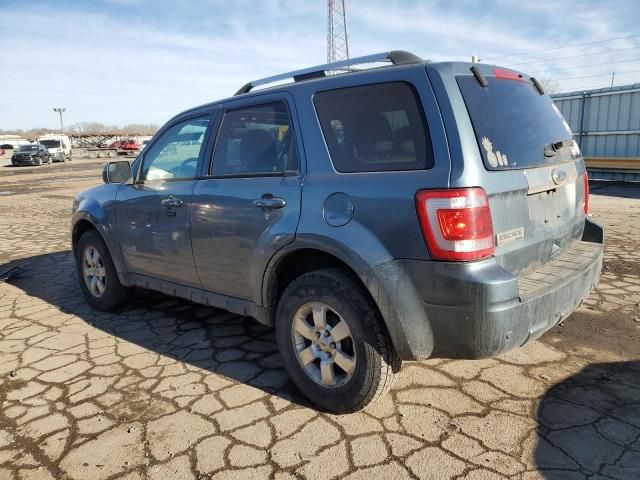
x=116, y=172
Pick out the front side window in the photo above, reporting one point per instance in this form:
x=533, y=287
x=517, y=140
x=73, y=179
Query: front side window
x=175, y=154
x=375, y=128
x=256, y=140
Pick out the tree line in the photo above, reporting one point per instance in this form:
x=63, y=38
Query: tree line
x=88, y=128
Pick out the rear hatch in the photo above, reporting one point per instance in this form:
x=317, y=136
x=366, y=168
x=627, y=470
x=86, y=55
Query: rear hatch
x=519, y=130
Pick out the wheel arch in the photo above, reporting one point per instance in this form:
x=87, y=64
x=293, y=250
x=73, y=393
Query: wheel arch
x=394, y=308
x=84, y=222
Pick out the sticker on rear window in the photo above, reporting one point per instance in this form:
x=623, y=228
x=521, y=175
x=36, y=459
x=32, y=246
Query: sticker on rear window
x=495, y=158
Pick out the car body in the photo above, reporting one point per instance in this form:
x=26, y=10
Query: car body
x=31, y=154
x=59, y=146
x=127, y=144
x=436, y=209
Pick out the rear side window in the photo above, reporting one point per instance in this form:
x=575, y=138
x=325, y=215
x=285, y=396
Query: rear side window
x=375, y=128
x=514, y=124
x=256, y=140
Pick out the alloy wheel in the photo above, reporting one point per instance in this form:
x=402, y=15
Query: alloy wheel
x=94, y=272
x=323, y=344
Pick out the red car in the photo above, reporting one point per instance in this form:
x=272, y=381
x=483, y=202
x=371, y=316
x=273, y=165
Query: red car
x=129, y=144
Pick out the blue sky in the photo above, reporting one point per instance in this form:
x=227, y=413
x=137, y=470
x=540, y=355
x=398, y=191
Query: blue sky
x=142, y=61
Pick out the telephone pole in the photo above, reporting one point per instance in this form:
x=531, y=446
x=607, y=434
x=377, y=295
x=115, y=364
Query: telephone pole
x=337, y=43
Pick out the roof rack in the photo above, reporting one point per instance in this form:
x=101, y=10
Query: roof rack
x=396, y=57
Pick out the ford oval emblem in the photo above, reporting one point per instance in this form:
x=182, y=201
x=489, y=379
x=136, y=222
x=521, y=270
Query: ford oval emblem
x=558, y=176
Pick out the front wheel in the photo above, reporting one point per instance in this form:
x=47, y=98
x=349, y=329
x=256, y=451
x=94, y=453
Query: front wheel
x=335, y=347
x=97, y=275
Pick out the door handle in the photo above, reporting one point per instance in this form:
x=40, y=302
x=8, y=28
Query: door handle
x=269, y=202
x=171, y=202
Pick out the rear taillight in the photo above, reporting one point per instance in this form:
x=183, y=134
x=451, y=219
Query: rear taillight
x=585, y=193
x=456, y=224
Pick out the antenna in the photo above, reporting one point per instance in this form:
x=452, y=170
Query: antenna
x=337, y=43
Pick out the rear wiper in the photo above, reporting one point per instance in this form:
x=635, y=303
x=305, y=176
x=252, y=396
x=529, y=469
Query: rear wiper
x=551, y=149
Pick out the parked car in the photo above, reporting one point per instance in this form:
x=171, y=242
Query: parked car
x=31, y=154
x=127, y=144
x=397, y=213
x=59, y=146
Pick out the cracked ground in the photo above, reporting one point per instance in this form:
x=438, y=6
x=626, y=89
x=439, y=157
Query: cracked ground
x=168, y=389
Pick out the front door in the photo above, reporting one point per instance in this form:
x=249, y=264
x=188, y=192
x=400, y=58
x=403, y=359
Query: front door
x=248, y=205
x=154, y=221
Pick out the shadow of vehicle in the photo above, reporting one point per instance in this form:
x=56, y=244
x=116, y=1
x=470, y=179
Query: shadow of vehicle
x=615, y=189
x=589, y=424
x=236, y=347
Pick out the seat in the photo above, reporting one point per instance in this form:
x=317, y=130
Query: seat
x=258, y=151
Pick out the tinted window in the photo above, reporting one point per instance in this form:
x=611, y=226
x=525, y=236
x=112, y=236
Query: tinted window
x=513, y=123
x=176, y=153
x=375, y=128
x=256, y=140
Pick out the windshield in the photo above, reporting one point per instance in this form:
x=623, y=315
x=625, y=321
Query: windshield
x=28, y=148
x=51, y=143
x=514, y=124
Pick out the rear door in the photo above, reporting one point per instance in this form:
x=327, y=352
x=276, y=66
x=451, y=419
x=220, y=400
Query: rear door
x=247, y=205
x=534, y=170
x=153, y=214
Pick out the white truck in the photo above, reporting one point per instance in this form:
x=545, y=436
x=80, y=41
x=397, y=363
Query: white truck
x=59, y=146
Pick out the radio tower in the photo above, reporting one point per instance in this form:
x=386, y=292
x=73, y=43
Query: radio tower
x=337, y=44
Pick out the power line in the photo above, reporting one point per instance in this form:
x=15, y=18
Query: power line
x=560, y=48
x=584, y=87
x=584, y=66
x=591, y=76
x=572, y=56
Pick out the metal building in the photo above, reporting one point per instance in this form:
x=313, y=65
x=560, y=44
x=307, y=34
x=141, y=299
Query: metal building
x=606, y=125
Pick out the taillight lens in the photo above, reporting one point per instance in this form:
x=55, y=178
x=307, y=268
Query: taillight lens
x=456, y=224
x=585, y=193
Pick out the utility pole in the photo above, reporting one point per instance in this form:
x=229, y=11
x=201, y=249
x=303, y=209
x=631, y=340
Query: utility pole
x=337, y=43
x=613, y=75
x=60, y=110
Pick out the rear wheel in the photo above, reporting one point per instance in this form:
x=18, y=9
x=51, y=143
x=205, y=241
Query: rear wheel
x=335, y=346
x=97, y=275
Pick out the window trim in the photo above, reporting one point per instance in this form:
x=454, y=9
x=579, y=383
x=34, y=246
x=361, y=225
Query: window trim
x=422, y=112
x=207, y=134
x=208, y=174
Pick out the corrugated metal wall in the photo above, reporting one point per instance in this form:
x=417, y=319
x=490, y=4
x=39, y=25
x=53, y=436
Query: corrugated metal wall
x=605, y=122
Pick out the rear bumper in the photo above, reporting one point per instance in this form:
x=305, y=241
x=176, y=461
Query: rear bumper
x=479, y=309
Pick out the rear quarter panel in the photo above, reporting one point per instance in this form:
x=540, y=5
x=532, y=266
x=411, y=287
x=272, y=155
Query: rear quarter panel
x=384, y=224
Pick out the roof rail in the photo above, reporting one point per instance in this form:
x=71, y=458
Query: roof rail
x=396, y=57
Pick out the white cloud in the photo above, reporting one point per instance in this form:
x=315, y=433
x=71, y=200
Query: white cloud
x=125, y=61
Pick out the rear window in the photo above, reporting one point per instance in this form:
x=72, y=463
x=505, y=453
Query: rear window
x=375, y=128
x=513, y=123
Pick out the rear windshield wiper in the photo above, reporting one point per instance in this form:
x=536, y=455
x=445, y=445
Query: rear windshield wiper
x=551, y=149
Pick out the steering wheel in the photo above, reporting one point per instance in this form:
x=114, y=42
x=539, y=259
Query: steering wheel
x=177, y=171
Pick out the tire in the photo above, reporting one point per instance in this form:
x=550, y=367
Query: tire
x=376, y=362
x=114, y=294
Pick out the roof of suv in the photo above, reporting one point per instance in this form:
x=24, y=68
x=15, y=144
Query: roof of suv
x=394, y=57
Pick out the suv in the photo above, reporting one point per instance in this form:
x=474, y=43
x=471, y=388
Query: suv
x=30, y=154
x=395, y=213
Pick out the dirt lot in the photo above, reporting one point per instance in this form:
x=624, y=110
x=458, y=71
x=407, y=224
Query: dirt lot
x=168, y=389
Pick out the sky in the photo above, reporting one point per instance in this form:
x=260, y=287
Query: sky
x=142, y=61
